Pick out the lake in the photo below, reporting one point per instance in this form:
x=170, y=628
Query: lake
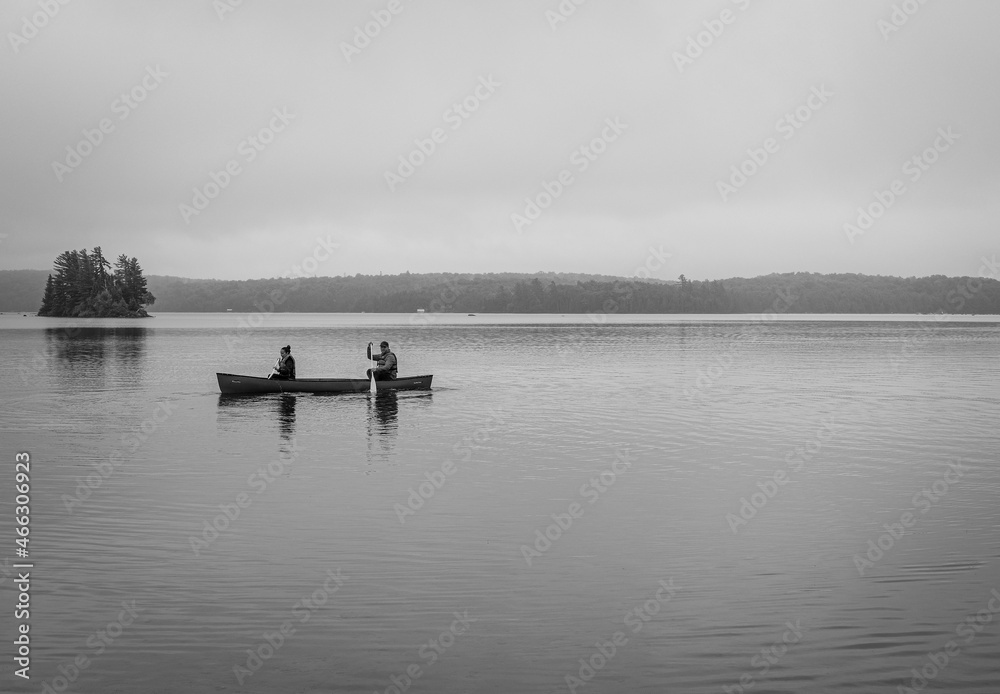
x=579, y=504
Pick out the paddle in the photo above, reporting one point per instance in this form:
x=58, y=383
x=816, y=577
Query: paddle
x=275, y=367
x=371, y=362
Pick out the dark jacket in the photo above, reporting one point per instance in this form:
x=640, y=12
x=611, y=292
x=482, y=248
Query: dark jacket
x=286, y=368
x=387, y=363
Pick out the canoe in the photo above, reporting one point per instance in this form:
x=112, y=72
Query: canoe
x=234, y=384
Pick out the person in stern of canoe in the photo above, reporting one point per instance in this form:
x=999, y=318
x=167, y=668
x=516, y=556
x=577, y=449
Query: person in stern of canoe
x=284, y=368
x=386, y=369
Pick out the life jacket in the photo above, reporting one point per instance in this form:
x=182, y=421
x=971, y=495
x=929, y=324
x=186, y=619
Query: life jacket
x=288, y=363
x=382, y=359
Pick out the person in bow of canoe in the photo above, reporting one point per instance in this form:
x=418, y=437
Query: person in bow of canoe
x=386, y=368
x=284, y=368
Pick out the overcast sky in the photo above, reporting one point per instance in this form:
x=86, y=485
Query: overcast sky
x=181, y=86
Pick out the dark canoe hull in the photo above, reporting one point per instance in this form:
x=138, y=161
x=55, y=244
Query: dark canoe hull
x=234, y=384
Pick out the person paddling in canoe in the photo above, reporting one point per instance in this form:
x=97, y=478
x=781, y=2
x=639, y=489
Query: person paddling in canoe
x=284, y=368
x=386, y=368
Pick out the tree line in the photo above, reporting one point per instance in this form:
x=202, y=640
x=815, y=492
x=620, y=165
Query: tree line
x=549, y=293
x=498, y=292
x=86, y=286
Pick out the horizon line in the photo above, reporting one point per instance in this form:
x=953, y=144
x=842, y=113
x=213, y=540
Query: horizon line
x=535, y=273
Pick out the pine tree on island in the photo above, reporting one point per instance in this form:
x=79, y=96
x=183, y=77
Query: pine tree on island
x=84, y=286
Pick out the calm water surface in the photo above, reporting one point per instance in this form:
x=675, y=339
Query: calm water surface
x=754, y=528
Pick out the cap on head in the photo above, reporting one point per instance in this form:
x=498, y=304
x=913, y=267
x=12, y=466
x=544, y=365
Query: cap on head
x=383, y=344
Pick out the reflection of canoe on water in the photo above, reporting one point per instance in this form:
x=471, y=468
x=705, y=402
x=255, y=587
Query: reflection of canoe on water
x=232, y=384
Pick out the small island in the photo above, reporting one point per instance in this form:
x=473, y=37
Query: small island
x=84, y=286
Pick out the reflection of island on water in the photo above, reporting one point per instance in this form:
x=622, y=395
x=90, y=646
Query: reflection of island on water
x=93, y=351
x=76, y=345
x=83, y=344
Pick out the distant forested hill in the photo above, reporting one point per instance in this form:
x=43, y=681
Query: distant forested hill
x=370, y=293
x=22, y=290
x=800, y=292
